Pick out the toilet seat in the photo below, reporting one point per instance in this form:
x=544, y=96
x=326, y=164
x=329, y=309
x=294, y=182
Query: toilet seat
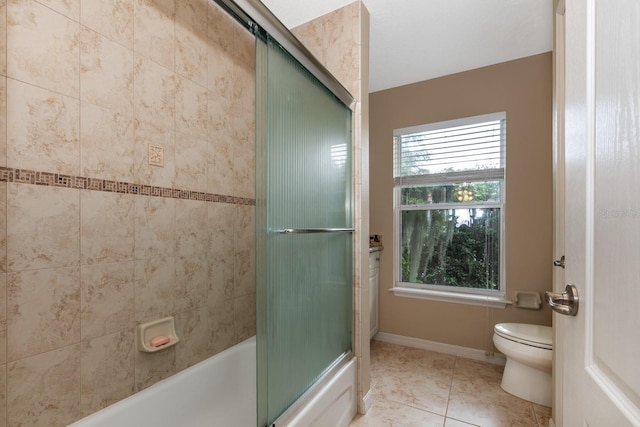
x=532, y=335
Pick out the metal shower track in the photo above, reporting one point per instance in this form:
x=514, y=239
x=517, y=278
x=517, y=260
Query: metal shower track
x=258, y=19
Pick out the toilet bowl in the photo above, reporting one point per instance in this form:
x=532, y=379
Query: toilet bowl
x=528, y=349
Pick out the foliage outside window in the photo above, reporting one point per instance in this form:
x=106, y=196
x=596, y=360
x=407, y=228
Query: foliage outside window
x=449, y=180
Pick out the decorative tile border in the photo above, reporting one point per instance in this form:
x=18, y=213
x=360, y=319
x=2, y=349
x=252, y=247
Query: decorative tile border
x=25, y=176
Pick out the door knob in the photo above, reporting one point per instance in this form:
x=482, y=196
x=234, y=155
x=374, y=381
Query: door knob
x=565, y=302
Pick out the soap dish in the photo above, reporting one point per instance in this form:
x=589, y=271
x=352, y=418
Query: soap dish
x=156, y=335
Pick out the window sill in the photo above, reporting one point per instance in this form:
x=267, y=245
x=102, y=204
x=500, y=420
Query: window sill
x=453, y=297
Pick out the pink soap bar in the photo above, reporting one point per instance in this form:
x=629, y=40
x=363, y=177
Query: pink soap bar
x=159, y=340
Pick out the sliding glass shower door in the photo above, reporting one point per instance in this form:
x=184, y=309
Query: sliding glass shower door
x=303, y=229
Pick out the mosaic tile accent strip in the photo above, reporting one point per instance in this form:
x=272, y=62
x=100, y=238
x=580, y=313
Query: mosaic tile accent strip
x=25, y=176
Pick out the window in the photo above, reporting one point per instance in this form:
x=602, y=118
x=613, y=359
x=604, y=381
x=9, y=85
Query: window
x=449, y=206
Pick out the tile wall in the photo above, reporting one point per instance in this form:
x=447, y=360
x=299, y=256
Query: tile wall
x=94, y=240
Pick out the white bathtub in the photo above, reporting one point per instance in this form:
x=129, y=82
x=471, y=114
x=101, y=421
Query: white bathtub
x=221, y=391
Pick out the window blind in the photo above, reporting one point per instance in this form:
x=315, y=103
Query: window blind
x=469, y=149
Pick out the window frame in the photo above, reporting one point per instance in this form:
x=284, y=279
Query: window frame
x=464, y=295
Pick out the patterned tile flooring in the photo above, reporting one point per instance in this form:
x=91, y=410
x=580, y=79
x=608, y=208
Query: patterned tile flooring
x=421, y=388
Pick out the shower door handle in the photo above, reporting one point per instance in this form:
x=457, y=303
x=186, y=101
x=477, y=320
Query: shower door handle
x=313, y=230
x=564, y=303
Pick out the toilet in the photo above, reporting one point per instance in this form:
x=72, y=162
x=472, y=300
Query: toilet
x=528, y=348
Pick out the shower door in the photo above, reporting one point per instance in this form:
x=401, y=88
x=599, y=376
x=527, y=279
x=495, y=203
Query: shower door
x=303, y=229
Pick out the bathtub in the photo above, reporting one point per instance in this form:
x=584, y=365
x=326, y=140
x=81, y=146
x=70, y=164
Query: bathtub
x=221, y=391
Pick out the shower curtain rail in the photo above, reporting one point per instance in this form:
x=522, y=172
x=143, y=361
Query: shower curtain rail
x=257, y=18
x=314, y=230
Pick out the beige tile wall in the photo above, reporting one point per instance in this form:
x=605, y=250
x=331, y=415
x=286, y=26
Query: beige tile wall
x=85, y=87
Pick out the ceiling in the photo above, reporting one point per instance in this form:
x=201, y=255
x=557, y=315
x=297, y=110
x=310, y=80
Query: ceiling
x=415, y=40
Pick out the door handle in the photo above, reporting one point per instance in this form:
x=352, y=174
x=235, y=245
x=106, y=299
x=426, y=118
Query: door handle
x=565, y=302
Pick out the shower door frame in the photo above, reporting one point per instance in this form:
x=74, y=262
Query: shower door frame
x=278, y=409
x=259, y=20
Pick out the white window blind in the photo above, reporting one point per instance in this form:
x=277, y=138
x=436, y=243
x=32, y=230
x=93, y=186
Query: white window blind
x=468, y=149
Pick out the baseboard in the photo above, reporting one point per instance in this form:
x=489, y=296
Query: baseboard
x=367, y=401
x=468, y=353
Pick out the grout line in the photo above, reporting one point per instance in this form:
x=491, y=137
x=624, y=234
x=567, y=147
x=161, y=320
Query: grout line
x=453, y=374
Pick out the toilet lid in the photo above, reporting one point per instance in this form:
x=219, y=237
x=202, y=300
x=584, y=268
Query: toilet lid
x=535, y=335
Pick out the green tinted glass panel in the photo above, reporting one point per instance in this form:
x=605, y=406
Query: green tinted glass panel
x=304, y=283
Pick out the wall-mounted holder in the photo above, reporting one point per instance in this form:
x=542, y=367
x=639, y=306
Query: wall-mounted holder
x=156, y=335
x=529, y=300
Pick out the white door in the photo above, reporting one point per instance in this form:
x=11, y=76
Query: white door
x=600, y=347
x=558, y=197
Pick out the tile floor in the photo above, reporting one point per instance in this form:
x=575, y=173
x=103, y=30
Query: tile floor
x=421, y=388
